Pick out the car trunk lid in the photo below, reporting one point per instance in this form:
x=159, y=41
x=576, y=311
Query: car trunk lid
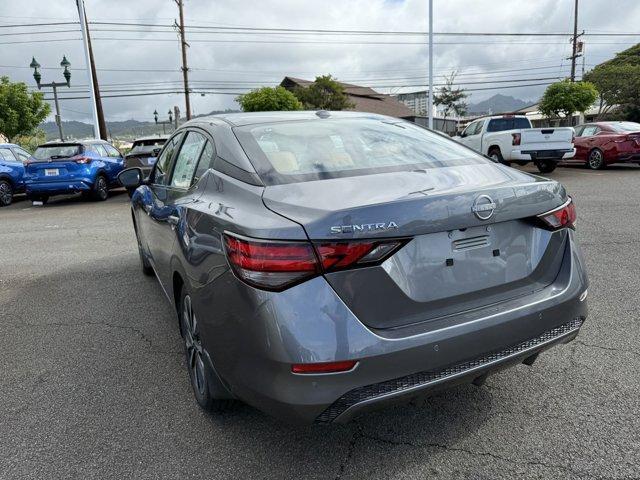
x=455, y=259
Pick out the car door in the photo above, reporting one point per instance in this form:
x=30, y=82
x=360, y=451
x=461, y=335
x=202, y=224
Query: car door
x=585, y=140
x=475, y=139
x=467, y=132
x=107, y=165
x=170, y=195
x=116, y=161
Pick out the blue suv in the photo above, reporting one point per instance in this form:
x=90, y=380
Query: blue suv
x=57, y=168
x=12, y=160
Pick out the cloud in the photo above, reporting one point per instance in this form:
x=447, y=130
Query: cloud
x=231, y=63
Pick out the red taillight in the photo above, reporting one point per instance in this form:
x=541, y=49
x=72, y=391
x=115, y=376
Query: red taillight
x=276, y=265
x=515, y=139
x=83, y=160
x=326, y=367
x=269, y=264
x=562, y=217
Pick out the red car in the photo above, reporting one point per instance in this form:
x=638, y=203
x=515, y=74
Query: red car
x=600, y=144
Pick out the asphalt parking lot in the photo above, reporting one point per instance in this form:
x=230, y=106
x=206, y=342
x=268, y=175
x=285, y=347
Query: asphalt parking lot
x=93, y=383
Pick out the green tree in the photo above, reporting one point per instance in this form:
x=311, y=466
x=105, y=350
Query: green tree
x=20, y=111
x=268, y=99
x=451, y=98
x=565, y=98
x=324, y=93
x=32, y=141
x=618, y=82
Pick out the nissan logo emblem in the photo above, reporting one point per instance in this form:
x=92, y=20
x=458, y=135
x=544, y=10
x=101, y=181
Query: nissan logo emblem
x=483, y=207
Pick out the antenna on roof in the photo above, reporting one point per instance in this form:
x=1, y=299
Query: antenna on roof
x=323, y=113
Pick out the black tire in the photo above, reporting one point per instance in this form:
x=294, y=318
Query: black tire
x=6, y=193
x=546, y=166
x=202, y=377
x=100, y=190
x=496, y=155
x=595, y=160
x=147, y=269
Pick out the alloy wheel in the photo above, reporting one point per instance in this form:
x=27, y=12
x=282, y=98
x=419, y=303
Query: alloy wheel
x=6, y=193
x=102, y=188
x=595, y=159
x=193, y=346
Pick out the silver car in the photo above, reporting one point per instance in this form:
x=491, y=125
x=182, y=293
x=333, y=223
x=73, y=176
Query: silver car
x=325, y=263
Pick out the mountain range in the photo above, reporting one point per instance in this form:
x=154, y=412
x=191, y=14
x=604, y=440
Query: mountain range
x=122, y=130
x=130, y=129
x=497, y=104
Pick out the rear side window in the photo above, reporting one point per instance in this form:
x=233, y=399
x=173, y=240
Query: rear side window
x=286, y=152
x=101, y=150
x=187, y=160
x=206, y=161
x=7, y=155
x=507, y=123
x=163, y=165
x=111, y=151
x=589, y=130
x=23, y=155
x=45, y=153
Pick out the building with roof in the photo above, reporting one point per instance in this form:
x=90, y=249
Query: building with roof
x=365, y=99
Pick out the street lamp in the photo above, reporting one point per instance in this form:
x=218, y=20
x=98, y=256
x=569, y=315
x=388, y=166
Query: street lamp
x=54, y=85
x=164, y=122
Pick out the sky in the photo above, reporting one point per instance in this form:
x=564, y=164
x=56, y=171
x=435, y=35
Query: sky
x=133, y=59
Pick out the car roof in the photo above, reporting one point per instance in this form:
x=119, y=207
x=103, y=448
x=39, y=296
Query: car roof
x=9, y=145
x=250, y=118
x=154, y=137
x=92, y=141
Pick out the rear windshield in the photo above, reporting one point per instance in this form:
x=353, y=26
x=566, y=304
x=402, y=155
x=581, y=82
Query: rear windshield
x=625, y=127
x=509, y=123
x=154, y=142
x=286, y=152
x=53, y=152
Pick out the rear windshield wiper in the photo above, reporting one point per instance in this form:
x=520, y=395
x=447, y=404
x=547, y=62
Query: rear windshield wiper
x=56, y=157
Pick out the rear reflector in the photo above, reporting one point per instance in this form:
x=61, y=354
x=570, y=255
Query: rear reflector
x=327, y=367
x=562, y=217
x=276, y=265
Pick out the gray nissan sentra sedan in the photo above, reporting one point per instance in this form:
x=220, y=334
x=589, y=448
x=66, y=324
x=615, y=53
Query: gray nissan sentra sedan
x=326, y=263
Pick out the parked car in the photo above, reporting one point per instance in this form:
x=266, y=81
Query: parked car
x=600, y=144
x=511, y=139
x=12, y=159
x=324, y=264
x=57, y=168
x=143, y=153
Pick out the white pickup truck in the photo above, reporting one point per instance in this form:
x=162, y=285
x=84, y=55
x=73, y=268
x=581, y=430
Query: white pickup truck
x=510, y=139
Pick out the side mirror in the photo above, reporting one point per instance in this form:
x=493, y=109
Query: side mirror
x=462, y=134
x=156, y=151
x=131, y=178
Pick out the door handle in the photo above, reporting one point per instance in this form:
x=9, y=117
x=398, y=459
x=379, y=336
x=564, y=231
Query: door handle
x=173, y=220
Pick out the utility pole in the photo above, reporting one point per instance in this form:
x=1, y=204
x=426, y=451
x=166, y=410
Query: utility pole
x=99, y=126
x=574, y=40
x=176, y=116
x=185, y=69
x=430, y=102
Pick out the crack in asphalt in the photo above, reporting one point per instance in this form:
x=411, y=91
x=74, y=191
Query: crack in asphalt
x=448, y=448
x=610, y=349
x=139, y=332
x=357, y=434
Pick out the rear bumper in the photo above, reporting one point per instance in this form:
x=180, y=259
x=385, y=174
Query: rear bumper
x=59, y=187
x=256, y=336
x=532, y=155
